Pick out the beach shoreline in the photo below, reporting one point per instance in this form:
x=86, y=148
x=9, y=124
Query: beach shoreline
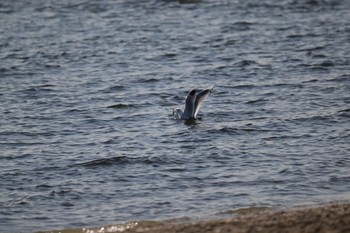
x=333, y=217
x=327, y=218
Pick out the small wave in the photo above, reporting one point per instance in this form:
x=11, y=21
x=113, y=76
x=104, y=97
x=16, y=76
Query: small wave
x=313, y=67
x=256, y=101
x=147, y=80
x=325, y=119
x=344, y=113
x=38, y=89
x=106, y=162
x=312, y=48
x=170, y=55
x=112, y=89
x=326, y=63
x=345, y=78
x=238, y=131
x=228, y=130
x=245, y=63
x=244, y=86
x=120, y=106
x=117, y=87
x=238, y=26
x=121, y=160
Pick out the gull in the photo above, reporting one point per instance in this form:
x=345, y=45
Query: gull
x=193, y=102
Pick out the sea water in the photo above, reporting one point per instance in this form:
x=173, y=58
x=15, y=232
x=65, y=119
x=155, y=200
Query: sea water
x=87, y=89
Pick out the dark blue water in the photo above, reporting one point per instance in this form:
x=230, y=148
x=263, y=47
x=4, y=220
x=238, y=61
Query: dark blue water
x=87, y=90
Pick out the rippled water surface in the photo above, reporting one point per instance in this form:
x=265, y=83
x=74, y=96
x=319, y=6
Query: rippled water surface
x=87, y=90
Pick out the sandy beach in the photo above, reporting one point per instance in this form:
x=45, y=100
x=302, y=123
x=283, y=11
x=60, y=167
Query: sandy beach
x=329, y=218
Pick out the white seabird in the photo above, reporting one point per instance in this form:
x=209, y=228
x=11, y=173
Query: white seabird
x=192, y=104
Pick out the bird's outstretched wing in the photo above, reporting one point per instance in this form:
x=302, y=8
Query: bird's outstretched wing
x=190, y=104
x=200, y=97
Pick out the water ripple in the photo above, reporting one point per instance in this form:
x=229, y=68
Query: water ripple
x=87, y=109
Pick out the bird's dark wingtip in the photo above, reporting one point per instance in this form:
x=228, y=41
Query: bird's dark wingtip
x=193, y=92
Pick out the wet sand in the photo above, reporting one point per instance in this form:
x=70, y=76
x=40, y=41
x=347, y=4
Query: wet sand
x=330, y=218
